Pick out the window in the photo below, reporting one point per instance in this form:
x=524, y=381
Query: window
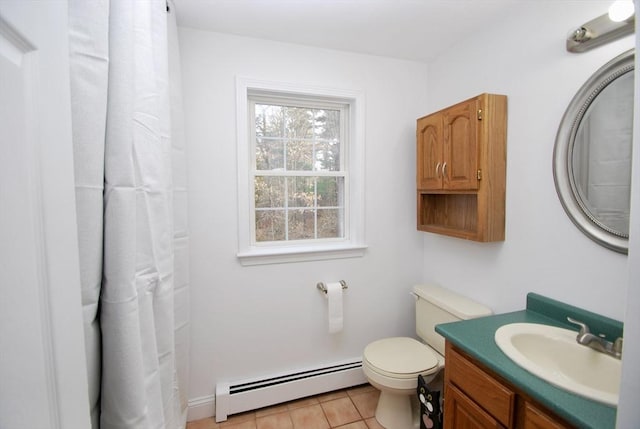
x=297, y=169
x=297, y=175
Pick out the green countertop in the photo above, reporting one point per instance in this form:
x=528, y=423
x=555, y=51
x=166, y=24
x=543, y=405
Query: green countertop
x=476, y=338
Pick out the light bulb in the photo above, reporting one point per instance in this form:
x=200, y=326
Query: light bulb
x=621, y=10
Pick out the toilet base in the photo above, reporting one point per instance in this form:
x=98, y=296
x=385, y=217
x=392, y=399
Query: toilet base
x=397, y=411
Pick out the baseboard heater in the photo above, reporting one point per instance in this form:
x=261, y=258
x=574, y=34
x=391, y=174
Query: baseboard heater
x=232, y=398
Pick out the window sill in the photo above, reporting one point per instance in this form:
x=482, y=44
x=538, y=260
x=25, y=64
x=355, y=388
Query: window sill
x=281, y=255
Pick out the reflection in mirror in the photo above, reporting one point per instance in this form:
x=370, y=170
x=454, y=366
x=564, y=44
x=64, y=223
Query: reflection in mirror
x=601, y=160
x=592, y=154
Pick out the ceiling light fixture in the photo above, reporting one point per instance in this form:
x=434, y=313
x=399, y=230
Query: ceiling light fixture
x=621, y=10
x=619, y=22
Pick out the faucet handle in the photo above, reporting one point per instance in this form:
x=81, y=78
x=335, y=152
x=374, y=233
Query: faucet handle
x=617, y=346
x=584, y=329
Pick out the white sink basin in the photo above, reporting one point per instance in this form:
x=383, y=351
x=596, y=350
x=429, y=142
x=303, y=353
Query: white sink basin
x=553, y=354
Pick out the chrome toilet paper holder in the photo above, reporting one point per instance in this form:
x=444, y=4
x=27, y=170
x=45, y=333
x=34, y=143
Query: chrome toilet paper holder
x=322, y=287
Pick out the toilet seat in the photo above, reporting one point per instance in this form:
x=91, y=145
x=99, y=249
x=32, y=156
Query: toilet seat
x=401, y=358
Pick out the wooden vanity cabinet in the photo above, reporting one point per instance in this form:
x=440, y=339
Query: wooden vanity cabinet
x=534, y=418
x=462, y=412
x=476, y=398
x=461, y=169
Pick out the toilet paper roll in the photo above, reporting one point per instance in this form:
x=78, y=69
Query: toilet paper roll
x=334, y=295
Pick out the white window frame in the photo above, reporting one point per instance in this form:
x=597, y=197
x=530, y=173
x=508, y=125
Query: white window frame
x=352, y=245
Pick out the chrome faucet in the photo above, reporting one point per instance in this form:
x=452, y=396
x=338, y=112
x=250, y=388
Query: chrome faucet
x=597, y=342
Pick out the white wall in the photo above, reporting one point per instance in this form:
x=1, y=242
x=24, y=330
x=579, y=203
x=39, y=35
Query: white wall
x=248, y=321
x=525, y=58
x=628, y=411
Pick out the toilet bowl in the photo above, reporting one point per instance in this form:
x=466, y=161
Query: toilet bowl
x=393, y=365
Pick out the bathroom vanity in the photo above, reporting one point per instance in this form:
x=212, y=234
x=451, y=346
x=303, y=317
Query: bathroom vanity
x=476, y=397
x=486, y=389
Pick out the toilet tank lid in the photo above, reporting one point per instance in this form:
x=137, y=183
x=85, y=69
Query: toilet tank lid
x=456, y=304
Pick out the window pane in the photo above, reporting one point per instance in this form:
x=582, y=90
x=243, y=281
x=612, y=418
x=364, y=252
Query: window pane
x=269, y=191
x=330, y=191
x=299, y=123
x=330, y=223
x=299, y=155
x=301, y=224
x=301, y=191
x=270, y=120
x=327, y=156
x=270, y=225
x=327, y=124
x=327, y=131
x=269, y=154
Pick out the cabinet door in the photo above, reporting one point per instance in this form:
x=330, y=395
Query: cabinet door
x=490, y=394
x=535, y=418
x=429, y=152
x=462, y=413
x=460, y=165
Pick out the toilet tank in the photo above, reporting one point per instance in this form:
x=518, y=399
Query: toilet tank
x=435, y=305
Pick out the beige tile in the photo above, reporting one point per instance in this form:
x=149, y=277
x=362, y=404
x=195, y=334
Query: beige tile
x=366, y=403
x=310, y=417
x=330, y=396
x=251, y=424
x=358, y=390
x=372, y=423
x=208, y=423
x=357, y=425
x=340, y=411
x=236, y=419
x=275, y=421
x=271, y=410
x=304, y=402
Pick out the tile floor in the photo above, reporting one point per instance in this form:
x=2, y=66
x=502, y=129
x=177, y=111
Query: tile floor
x=352, y=408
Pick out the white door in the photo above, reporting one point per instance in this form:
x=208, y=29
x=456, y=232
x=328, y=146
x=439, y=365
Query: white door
x=43, y=381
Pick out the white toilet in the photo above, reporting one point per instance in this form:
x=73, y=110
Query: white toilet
x=393, y=364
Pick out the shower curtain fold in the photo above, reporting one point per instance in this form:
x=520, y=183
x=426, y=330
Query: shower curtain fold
x=124, y=161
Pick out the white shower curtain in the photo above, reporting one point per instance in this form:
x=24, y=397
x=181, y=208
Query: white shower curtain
x=129, y=158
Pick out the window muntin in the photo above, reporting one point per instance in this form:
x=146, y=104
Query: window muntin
x=298, y=174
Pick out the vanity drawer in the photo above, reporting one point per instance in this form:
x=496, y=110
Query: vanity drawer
x=494, y=397
x=535, y=418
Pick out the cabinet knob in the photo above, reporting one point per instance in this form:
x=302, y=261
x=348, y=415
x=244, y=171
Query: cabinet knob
x=437, y=168
x=444, y=169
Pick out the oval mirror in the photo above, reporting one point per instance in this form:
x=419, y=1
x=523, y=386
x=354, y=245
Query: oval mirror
x=592, y=154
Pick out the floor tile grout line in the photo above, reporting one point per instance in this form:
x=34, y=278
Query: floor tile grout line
x=357, y=410
x=354, y=406
x=324, y=414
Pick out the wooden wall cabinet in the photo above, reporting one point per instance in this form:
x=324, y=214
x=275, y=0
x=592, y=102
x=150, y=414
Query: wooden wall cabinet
x=461, y=169
x=477, y=399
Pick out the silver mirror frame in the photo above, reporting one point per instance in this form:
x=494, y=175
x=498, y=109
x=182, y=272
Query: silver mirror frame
x=563, y=154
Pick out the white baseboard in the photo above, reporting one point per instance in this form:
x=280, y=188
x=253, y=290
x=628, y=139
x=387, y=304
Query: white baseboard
x=201, y=408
